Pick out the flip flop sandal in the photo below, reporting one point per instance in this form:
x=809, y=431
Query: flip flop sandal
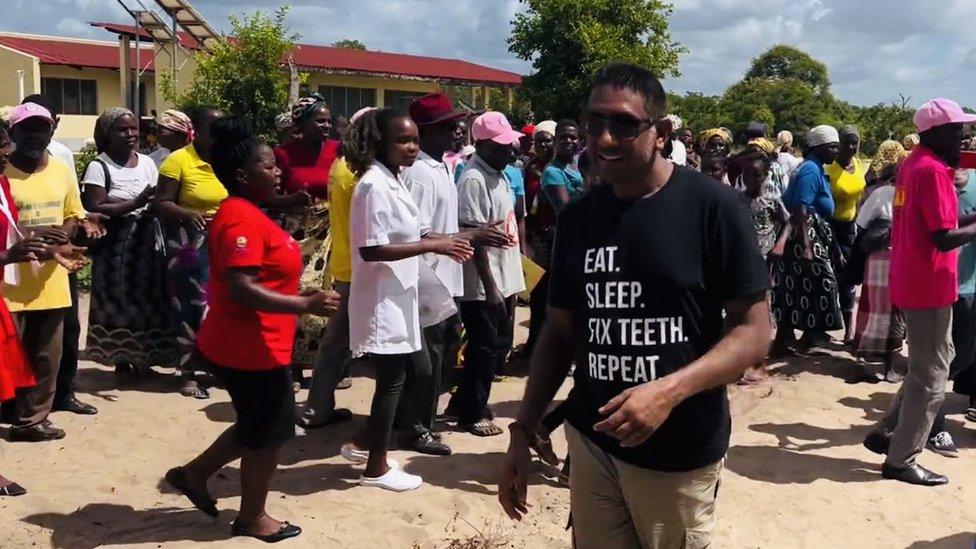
x=12, y=490
x=286, y=531
x=971, y=414
x=176, y=477
x=484, y=428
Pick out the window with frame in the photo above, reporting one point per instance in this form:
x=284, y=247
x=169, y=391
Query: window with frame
x=346, y=101
x=400, y=100
x=71, y=95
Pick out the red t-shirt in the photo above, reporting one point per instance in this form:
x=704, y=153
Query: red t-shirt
x=241, y=235
x=303, y=170
x=922, y=277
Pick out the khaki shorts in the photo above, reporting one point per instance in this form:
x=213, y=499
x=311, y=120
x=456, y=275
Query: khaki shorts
x=621, y=506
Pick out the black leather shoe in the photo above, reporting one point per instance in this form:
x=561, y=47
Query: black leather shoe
x=36, y=433
x=428, y=444
x=75, y=406
x=916, y=474
x=877, y=442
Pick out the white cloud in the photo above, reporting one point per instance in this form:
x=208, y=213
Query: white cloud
x=874, y=50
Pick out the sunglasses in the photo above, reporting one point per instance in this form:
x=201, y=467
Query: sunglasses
x=620, y=127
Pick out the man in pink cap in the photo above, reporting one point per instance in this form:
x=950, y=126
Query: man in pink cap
x=924, y=284
x=50, y=205
x=494, y=276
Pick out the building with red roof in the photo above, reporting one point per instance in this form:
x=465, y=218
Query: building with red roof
x=85, y=77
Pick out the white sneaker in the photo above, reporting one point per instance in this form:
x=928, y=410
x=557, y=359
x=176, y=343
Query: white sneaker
x=360, y=457
x=394, y=480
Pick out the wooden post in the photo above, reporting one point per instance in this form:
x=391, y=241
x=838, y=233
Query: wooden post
x=484, y=90
x=511, y=100
x=125, y=68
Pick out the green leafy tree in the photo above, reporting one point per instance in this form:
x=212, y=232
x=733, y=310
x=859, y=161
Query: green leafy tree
x=788, y=63
x=567, y=40
x=349, y=44
x=697, y=111
x=244, y=73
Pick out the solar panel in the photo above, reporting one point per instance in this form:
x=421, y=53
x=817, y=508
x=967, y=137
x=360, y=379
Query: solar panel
x=190, y=20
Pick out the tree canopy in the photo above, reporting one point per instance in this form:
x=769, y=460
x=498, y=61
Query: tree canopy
x=349, y=44
x=243, y=73
x=567, y=40
x=786, y=89
x=788, y=63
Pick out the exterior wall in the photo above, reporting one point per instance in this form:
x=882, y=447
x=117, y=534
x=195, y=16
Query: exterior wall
x=75, y=129
x=378, y=83
x=12, y=61
x=185, y=66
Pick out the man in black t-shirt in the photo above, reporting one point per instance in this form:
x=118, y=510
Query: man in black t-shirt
x=643, y=270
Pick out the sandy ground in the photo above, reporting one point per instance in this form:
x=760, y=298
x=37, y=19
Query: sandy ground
x=796, y=476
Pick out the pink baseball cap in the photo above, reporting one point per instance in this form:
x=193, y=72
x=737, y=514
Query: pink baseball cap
x=29, y=110
x=494, y=126
x=939, y=112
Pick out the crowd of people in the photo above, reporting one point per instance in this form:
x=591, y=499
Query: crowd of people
x=657, y=264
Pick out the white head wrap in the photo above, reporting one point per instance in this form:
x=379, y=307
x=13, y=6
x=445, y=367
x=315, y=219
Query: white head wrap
x=784, y=138
x=548, y=126
x=675, y=122
x=821, y=135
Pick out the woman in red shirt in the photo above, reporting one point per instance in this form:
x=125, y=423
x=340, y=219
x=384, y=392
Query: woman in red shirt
x=246, y=338
x=305, y=163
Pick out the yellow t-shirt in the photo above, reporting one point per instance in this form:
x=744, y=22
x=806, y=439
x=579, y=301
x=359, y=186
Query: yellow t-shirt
x=44, y=198
x=847, y=189
x=341, y=184
x=200, y=190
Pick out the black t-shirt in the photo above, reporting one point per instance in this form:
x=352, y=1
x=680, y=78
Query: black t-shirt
x=647, y=280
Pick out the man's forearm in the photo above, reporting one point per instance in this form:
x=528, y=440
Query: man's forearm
x=484, y=270
x=745, y=345
x=550, y=363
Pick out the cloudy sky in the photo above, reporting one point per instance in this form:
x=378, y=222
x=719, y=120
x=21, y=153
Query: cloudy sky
x=920, y=49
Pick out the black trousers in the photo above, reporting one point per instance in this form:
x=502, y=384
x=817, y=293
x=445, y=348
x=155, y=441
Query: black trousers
x=538, y=300
x=443, y=342
x=489, y=341
x=844, y=233
x=393, y=372
x=69, y=350
x=963, y=368
x=418, y=403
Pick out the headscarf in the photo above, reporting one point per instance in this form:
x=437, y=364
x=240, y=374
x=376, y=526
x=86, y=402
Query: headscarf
x=548, y=126
x=784, y=139
x=284, y=122
x=359, y=114
x=104, y=125
x=675, y=122
x=910, y=141
x=306, y=106
x=822, y=135
x=850, y=130
x=706, y=135
x=177, y=121
x=890, y=153
x=763, y=144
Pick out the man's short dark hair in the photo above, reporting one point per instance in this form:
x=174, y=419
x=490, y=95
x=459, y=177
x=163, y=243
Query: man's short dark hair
x=566, y=123
x=43, y=101
x=636, y=79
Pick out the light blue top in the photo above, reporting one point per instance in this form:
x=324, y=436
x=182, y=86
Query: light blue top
x=516, y=182
x=571, y=179
x=967, y=254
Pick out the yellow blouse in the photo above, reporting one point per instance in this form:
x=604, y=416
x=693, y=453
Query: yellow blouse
x=847, y=189
x=200, y=190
